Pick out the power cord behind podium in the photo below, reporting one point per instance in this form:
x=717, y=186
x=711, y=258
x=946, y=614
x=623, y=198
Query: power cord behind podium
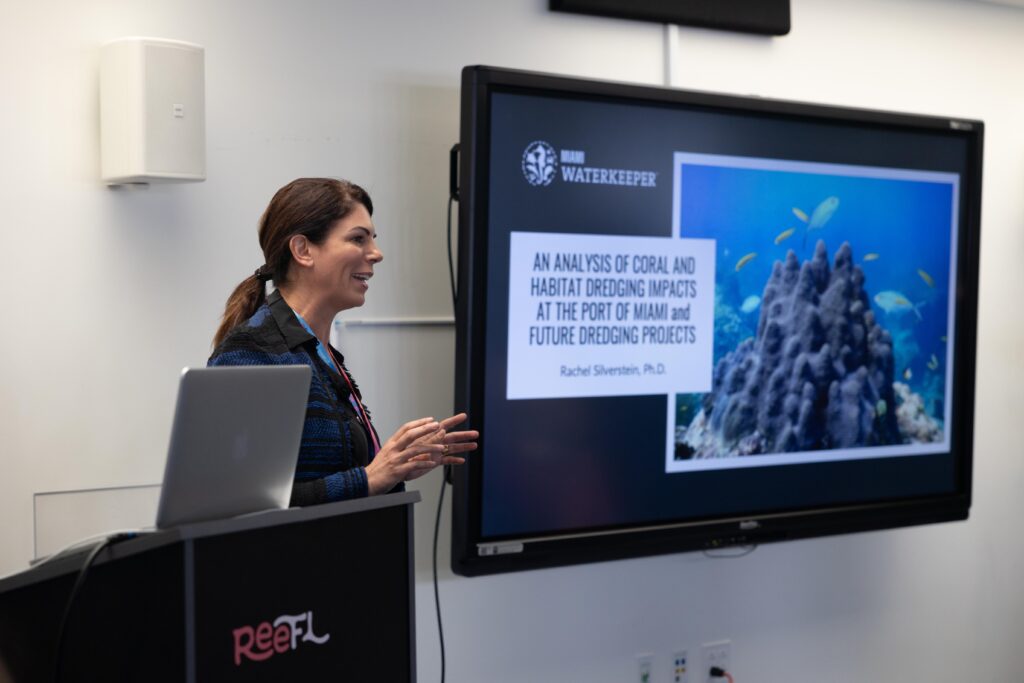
x=453, y=196
x=76, y=589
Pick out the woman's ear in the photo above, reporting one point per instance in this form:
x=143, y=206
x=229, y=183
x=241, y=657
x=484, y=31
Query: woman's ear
x=299, y=246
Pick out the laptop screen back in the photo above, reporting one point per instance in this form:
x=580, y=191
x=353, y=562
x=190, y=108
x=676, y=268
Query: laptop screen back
x=234, y=442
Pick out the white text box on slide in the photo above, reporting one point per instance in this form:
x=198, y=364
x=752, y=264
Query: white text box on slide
x=601, y=315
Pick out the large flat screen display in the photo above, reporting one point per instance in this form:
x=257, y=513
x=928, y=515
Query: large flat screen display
x=689, y=320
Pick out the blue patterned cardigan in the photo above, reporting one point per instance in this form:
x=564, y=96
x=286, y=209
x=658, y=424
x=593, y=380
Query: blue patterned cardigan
x=335, y=445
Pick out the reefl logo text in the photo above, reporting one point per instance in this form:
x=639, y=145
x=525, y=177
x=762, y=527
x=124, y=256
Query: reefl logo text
x=263, y=641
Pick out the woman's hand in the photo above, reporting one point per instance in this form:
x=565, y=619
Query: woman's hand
x=452, y=443
x=413, y=448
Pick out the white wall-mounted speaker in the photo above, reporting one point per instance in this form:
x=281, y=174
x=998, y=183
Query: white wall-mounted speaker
x=152, y=111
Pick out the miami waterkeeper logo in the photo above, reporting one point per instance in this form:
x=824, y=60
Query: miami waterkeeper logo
x=541, y=165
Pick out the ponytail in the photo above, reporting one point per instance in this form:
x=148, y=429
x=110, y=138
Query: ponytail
x=248, y=296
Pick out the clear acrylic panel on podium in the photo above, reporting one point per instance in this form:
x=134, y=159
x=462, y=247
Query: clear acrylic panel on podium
x=63, y=518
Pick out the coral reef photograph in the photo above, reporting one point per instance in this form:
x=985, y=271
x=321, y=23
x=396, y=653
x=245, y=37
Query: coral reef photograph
x=831, y=308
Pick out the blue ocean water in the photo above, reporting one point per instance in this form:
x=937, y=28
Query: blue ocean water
x=899, y=230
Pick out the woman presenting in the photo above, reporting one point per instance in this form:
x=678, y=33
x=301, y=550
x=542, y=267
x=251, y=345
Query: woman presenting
x=319, y=247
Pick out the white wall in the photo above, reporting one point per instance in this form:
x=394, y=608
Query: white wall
x=107, y=294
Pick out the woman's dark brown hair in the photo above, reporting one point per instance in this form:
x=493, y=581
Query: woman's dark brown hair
x=307, y=206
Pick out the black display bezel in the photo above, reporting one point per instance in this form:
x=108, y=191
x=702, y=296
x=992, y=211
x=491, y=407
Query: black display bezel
x=478, y=84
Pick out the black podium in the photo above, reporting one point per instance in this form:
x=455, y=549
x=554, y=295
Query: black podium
x=324, y=593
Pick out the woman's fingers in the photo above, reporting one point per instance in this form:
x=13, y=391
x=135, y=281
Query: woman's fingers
x=425, y=463
x=458, y=448
x=415, y=424
x=420, y=450
x=440, y=458
x=459, y=437
x=422, y=445
x=414, y=434
x=404, y=429
x=453, y=421
x=460, y=442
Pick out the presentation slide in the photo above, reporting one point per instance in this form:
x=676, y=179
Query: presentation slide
x=695, y=313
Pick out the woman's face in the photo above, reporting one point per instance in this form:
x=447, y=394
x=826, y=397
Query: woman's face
x=343, y=262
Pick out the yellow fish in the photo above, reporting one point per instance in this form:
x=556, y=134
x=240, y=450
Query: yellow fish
x=907, y=374
x=943, y=338
x=745, y=260
x=800, y=214
x=933, y=363
x=926, y=277
x=870, y=257
x=784, y=235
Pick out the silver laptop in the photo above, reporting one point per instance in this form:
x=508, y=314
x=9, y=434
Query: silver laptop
x=234, y=442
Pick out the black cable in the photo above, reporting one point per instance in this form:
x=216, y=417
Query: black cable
x=451, y=265
x=444, y=476
x=437, y=596
x=75, y=590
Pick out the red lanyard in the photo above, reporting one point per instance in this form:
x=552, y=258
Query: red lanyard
x=327, y=353
x=356, y=403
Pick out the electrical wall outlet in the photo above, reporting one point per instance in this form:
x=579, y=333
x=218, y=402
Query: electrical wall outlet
x=717, y=654
x=645, y=668
x=680, y=667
